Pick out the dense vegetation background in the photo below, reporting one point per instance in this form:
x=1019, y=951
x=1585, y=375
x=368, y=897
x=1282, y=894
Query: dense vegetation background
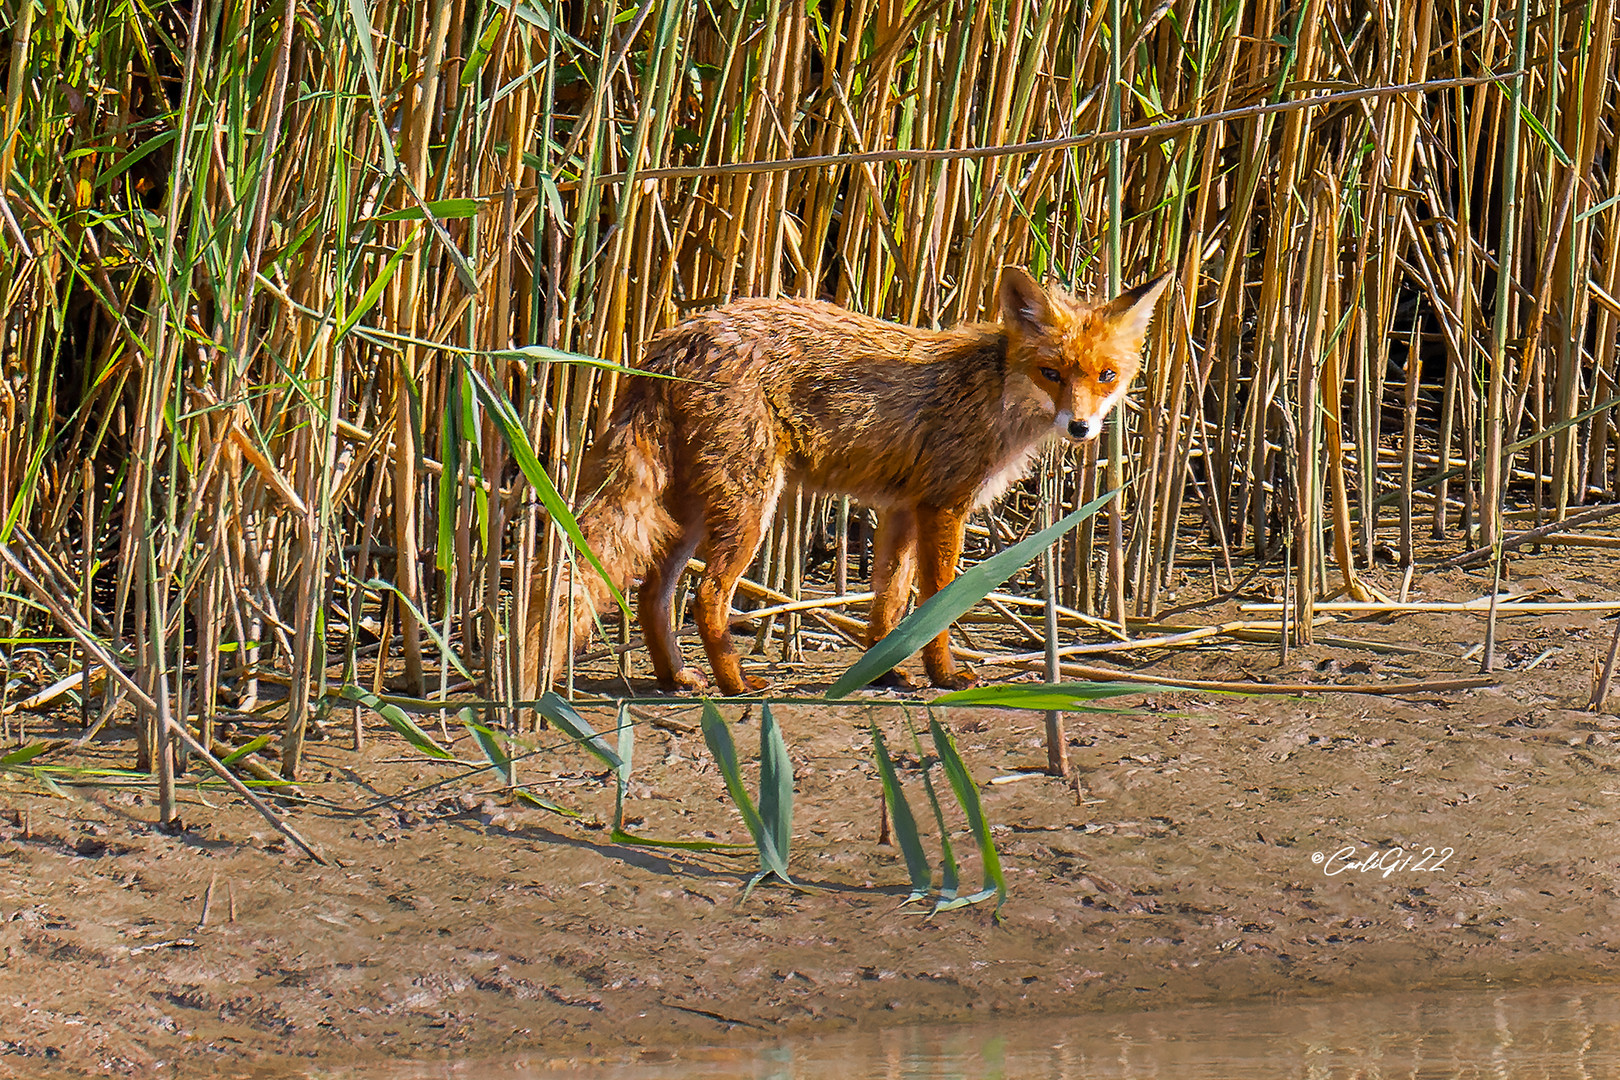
x=288, y=286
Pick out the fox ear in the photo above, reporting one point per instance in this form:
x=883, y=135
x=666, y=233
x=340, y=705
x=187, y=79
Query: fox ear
x=1023, y=302
x=1132, y=310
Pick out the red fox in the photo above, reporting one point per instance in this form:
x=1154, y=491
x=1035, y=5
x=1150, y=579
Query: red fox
x=926, y=426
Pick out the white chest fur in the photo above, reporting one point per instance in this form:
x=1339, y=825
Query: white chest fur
x=1004, y=475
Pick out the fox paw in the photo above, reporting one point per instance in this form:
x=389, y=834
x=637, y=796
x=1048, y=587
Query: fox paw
x=895, y=679
x=690, y=680
x=751, y=684
x=956, y=680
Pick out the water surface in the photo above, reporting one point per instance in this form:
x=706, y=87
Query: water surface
x=1506, y=1035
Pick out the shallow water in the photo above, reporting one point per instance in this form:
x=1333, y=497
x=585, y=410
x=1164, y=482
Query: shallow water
x=1541, y=1034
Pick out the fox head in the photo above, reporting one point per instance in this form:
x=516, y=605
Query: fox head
x=1078, y=357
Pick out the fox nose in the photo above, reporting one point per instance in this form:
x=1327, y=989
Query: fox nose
x=1080, y=429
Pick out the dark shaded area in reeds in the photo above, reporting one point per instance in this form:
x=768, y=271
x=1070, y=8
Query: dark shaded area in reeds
x=254, y=267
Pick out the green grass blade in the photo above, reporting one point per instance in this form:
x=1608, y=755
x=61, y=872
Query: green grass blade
x=1533, y=122
x=397, y=719
x=374, y=291
x=480, y=54
x=548, y=187
x=554, y=707
x=466, y=273
x=620, y=836
x=953, y=601
x=905, y=825
x=540, y=802
x=1070, y=697
x=426, y=624
x=489, y=743
x=950, y=875
x=621, y=775
x=775, y=783
x=258, y=742
x=25, y=491
x=517, y=440
x=368, y=59
x=25, y=753
x=967, y=794
x=450, y=442
x=544, y=354
x=443, y=209
x=717, y=734
x=627, y=740
x=140, y=152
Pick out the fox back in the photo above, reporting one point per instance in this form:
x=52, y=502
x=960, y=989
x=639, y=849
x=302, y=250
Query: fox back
x=890, y=414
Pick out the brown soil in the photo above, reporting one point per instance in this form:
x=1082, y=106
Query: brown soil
x=1182, y=867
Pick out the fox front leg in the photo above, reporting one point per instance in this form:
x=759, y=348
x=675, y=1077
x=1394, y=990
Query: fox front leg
x=939, y=545
x=894, y=557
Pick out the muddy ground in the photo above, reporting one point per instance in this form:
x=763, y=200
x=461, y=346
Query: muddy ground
x=1182, y=866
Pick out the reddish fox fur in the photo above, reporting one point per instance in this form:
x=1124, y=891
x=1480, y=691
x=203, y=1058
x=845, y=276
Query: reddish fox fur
x=924, y=425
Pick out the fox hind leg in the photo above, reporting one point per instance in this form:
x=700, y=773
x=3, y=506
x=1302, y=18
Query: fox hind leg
x=735, y=525
x=655, y=609
x=894, y=551
x=549, y=630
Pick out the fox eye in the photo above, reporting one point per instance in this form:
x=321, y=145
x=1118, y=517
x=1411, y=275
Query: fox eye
x=1051, y=375
x=1106, y=377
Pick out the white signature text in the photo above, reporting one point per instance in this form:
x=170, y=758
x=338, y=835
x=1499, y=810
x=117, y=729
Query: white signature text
x=1387, y=861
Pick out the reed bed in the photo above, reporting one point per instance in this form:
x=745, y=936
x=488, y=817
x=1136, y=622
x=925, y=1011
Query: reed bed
x=283, y=283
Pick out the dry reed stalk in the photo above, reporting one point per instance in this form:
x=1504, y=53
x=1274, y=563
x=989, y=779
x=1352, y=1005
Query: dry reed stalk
x=1600, y=690
x=1578, y=540
x=1596, y=513
x=1483, y=606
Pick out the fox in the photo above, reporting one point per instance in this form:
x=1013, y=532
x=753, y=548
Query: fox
x=924, y=426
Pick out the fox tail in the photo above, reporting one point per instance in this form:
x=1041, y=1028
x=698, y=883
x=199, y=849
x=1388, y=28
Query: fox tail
x=622, y=516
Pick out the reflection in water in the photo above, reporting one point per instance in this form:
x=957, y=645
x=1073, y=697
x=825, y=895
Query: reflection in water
x=1507, y=1035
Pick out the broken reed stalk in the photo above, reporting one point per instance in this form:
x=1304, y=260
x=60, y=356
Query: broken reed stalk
x=1600, y=692
x=1561, y=539
x=243, y=361
x=1518, y=540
